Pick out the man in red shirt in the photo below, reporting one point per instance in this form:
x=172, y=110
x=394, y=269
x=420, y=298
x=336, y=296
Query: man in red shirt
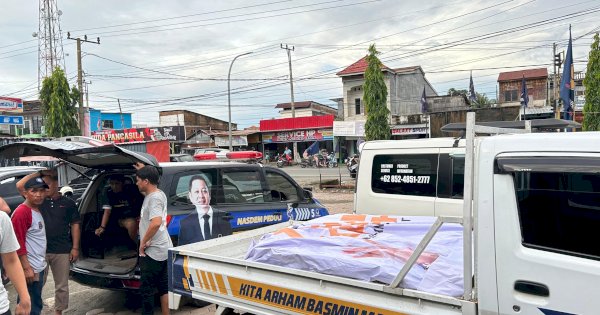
x=30, y=231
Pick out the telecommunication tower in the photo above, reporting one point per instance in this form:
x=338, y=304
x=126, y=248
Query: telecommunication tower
x=50, y=47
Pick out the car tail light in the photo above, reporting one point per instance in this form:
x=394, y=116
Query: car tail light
x=169, y=218
x=132, y=284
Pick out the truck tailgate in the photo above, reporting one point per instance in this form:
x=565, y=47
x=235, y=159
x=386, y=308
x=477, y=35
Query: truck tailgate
x=215, y=271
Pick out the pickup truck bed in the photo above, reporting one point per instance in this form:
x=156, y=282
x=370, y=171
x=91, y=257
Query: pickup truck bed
x=215, y=271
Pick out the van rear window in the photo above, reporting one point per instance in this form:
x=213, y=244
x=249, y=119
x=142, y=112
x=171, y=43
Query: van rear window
x=402, y=174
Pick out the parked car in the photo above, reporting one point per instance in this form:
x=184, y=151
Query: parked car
x=9, y=176
x=251, y=195
x=181, y=157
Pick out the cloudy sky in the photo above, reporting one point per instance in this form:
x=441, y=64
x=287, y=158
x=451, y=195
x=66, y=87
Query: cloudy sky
x=158, y=55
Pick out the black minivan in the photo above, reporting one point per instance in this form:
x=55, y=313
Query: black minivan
x=251, y=194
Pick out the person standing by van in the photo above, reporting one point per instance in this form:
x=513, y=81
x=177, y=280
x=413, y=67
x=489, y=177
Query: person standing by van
x=12, y=268
x=29, y=227
x=154, y=240
x=62, y=233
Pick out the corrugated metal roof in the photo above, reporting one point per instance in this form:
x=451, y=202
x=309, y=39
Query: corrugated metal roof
x=519, y=74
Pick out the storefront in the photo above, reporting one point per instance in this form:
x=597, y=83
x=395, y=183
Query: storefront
x=400, y=132
x=279, y=133
x=348, y=134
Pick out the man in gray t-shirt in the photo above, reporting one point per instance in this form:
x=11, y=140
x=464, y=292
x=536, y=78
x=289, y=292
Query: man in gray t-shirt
x=154, y=240
x=12, y=267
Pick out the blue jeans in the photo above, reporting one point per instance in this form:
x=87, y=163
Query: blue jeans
x=35, y=294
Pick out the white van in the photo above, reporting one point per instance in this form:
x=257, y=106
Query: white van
x=422, y=176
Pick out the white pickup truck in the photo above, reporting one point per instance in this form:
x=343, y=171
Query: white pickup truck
x=531, y=243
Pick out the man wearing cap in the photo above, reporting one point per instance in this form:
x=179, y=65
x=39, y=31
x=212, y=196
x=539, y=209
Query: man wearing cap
x=30, y=231
x=62, y=233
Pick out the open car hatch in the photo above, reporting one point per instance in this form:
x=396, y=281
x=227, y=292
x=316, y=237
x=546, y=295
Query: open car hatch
x=83, y=151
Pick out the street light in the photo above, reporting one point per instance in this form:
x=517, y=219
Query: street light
x=229, y=97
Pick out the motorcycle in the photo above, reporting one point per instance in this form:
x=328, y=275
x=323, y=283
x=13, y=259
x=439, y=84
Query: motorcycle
x=332, y=161
x=284, y=160
x=308, y=162
x=352, y=165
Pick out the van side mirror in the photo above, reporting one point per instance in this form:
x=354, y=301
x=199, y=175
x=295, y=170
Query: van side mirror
x=307, y=193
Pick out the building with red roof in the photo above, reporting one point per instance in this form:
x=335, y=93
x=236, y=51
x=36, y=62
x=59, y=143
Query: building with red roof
x=405, y=87
x=510, y=86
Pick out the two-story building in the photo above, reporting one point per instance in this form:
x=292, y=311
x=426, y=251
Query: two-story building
x=510, y=87
x=405, y=87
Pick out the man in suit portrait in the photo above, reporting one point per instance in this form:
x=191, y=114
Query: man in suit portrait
x=205, y=223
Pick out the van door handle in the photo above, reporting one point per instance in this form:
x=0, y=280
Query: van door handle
x=533, y=288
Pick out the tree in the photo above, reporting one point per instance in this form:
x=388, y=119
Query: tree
x=453, y=91
x=591, y=109
x=59, y=105
x=483, y=100
x=375, y=98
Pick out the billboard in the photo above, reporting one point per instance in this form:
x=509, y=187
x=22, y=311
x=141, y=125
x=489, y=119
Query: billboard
x=174, y=134
x=9, y=104
x=298, y=136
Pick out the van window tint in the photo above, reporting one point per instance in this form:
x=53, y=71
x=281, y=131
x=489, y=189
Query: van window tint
x=559, y=211
x=242, y=186
x=405, y=174
x=281, y=189
x=451, y=176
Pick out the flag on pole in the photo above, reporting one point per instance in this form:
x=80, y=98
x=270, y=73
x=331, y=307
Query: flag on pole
x=472, y=95
x=566, y=82
x=424, y=105
x=313, y=149
x=524, y=94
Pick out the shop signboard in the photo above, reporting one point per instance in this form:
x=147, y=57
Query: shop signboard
x=173, y=134
x=349, y=128
x=236, y=141
x=298, y=136
x=9, y=104
x=11, y=120
x=401, y=130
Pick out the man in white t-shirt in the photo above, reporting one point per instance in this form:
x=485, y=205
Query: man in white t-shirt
x=154, y=240
x=12, y=268
x=28, y=223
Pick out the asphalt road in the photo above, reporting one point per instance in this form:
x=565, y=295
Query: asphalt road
x=93, y=301
x=303, y=175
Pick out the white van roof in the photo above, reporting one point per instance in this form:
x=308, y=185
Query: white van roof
x=414, y=143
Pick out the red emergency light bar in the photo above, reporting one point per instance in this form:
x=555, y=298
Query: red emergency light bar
x=235, y=155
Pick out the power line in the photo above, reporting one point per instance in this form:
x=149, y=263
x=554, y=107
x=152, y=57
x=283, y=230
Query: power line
x=181, y=16
x=145, y=30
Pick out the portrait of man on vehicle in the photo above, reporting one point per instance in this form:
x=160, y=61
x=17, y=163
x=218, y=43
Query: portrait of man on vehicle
x=206, y=222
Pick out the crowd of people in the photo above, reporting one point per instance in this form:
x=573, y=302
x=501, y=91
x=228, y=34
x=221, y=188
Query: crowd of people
x=43, y=234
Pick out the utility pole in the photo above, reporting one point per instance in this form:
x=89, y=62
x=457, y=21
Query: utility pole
x=87, y=96
x=121, y=112
x=80, y=77
x=555, y=91
x=289, y=49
